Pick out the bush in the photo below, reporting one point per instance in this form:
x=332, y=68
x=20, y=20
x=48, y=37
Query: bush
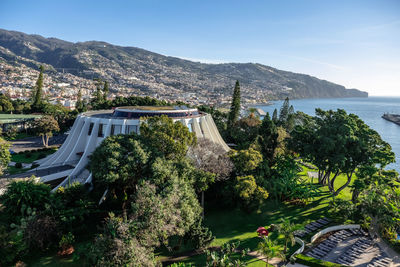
x=34, y=165
x=28, y=154
x=22, y=195
x=66, y=241
x=18, y=165
x=41, y=232
x=12, y=246
x=199, y=235
x=312, y=262
x=41, y=156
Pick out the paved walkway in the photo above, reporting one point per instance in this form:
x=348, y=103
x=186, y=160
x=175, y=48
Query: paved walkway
x=383, y=246
x=36, y=142
x=273, y=261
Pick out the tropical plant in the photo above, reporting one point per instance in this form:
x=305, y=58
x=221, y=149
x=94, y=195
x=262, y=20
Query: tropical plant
x=287, y=229
x=21, y=195
x=225, y=256
x=269, y=249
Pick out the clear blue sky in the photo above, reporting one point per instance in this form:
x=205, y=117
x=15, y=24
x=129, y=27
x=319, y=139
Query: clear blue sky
x=353, y=43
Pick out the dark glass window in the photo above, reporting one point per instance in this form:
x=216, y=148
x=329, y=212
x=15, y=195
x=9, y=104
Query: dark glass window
x=90, y=128
x=100, y=132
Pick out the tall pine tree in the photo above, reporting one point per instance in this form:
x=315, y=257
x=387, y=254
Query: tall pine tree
x=284, y=112
x=38, y=93
x=235, y=106
x=79, y=102
x=106, y=90
x=275, y=116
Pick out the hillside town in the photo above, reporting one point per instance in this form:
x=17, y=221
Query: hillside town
x=62, y=87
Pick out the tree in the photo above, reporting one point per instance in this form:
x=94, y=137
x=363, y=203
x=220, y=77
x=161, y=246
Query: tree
x=118, y=246
x=118, y=164
x=80, y=106
x=284, y=111
x=166, y=137
x=106, y=90
x=287, y=230
x=159, y=212
x=275, y=116
x=269, y=249
x=246, y=161
x=6, y=105
x=235, y=106
x=211, y=157
x=5, y=155
x=45, y=126
x=268, y=139
x=245, y=131
x=337, y=142
x=38, y=92
x=250, y=194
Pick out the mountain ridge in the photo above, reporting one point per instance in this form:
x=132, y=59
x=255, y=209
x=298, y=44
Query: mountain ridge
x=134, y=68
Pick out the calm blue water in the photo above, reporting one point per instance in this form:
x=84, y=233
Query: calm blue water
x=368, y=109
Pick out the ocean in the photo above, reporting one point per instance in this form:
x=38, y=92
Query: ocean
x=368, y=109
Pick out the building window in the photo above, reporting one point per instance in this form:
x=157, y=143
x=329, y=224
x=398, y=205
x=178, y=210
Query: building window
x=190, y=127
x=100, y=132
x=131, y=128
x=116, y=129
x=90, y=128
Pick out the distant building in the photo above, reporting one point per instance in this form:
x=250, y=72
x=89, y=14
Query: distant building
x=19, y=121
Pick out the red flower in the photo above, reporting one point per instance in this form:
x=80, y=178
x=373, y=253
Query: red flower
x=262, y=232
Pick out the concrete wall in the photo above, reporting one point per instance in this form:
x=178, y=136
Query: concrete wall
x=334, y=228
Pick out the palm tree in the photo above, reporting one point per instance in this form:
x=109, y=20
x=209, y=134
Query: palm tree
x=287, y=230
x=269, y=249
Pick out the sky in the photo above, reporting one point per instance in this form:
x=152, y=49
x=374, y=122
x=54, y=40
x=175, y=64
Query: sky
x=352, y=43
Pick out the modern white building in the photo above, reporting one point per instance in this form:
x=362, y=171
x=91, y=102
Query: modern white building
x=90, y=128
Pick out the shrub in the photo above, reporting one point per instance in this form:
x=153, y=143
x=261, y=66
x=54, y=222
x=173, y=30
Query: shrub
x=199, y=235
x=41, y=232
x=28, y=154
x=34, y=165
x=41, y=156
x=66, y=241
x=18, y=165
x=21, y=195
x=12, y=246
x=312, y=262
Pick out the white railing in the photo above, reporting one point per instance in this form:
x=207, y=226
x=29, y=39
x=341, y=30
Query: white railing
x=334, y=228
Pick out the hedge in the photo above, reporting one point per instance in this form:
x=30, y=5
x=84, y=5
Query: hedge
x=313, y=262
